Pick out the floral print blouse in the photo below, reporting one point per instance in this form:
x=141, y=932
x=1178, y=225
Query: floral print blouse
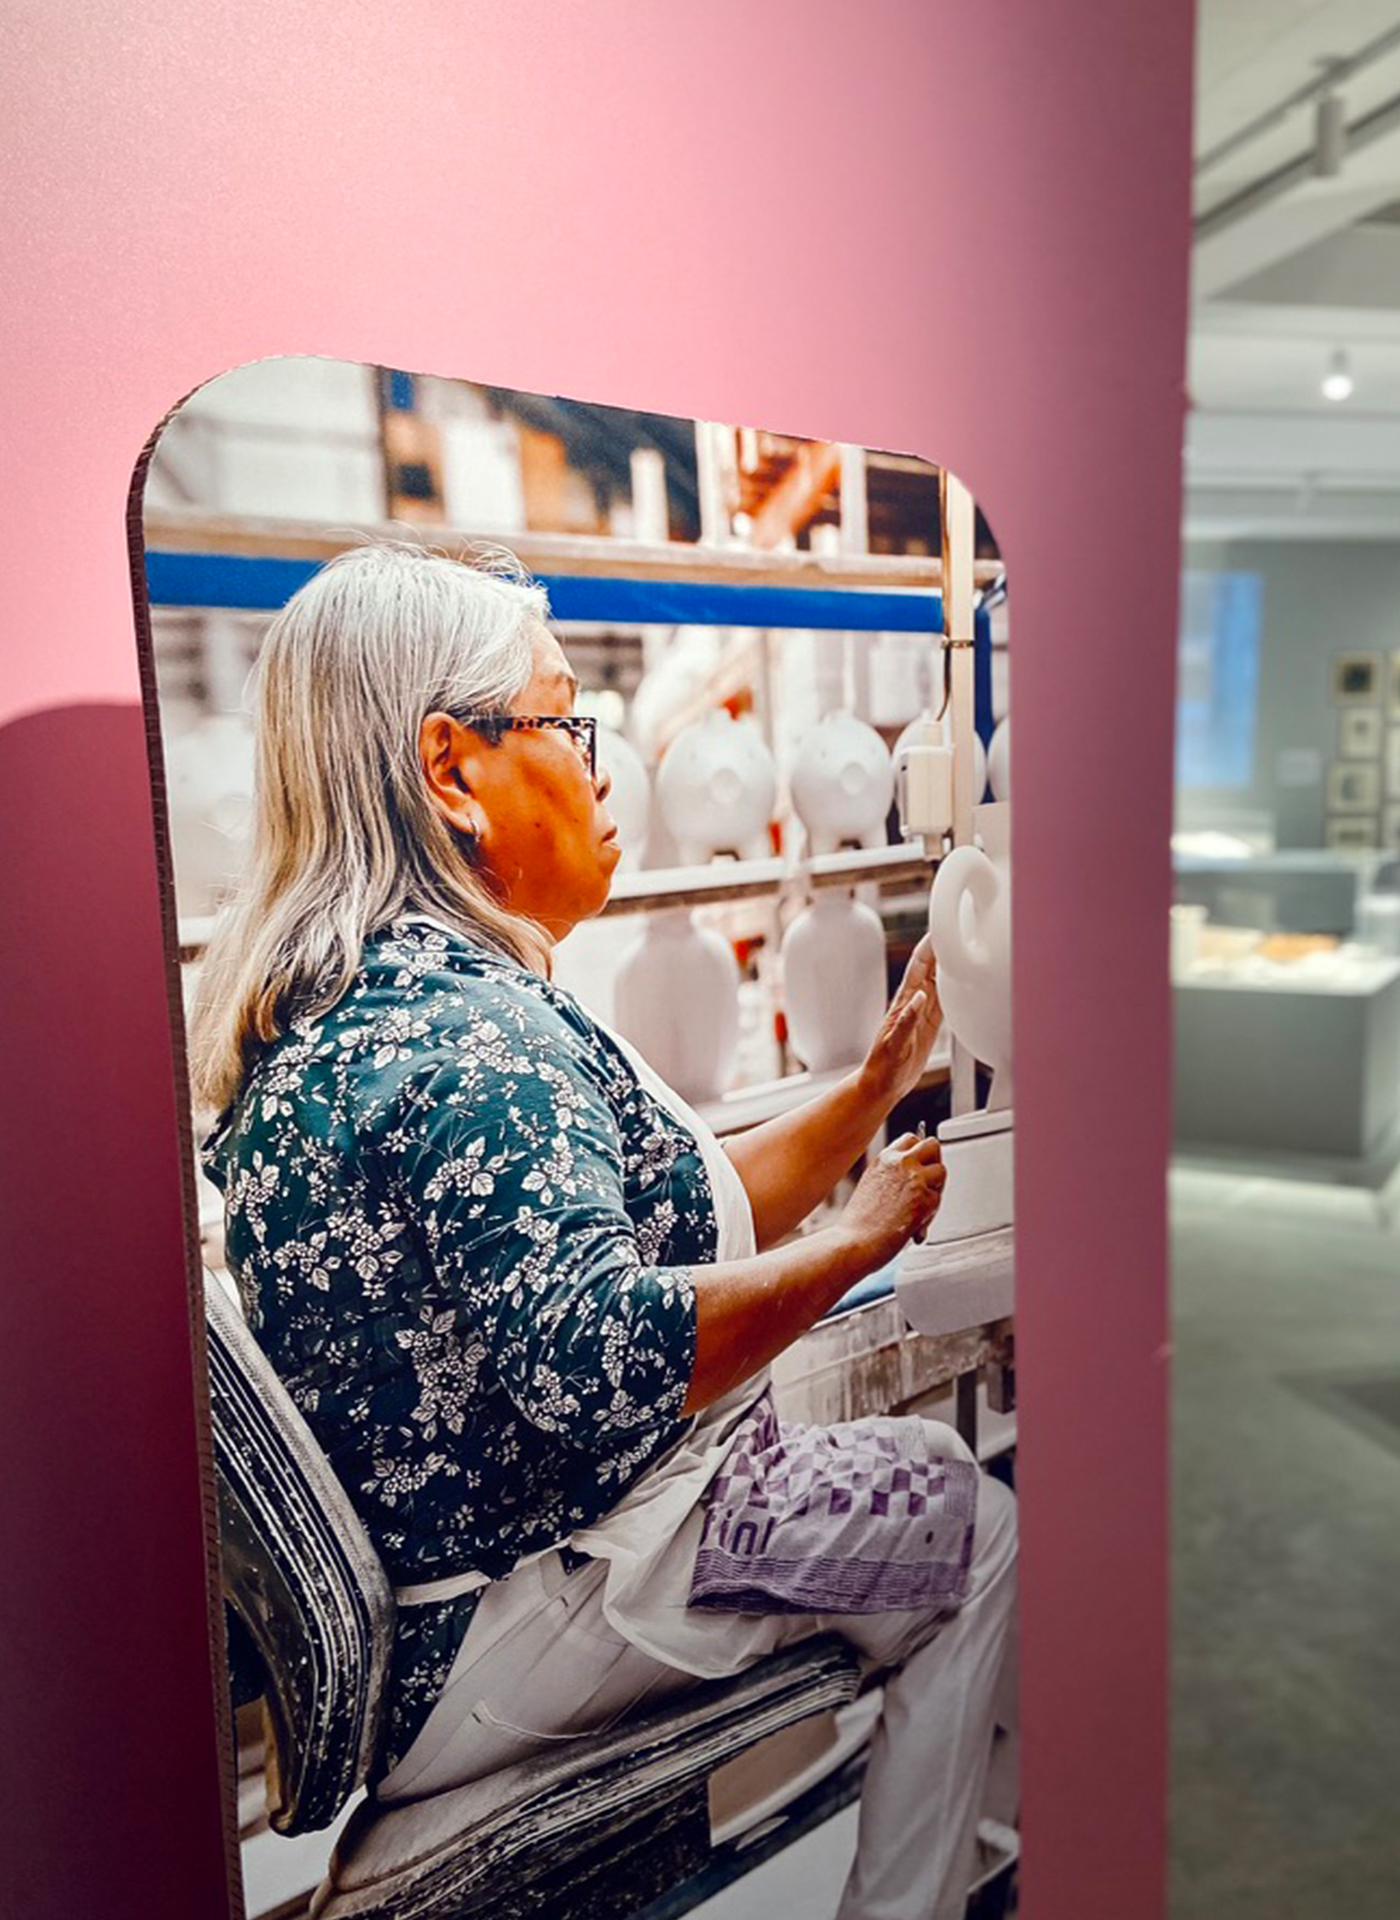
x=461, y=1230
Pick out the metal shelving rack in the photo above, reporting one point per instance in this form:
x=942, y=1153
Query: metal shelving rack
x=202, y=562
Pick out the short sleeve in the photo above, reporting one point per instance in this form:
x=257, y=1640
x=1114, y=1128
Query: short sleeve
x=508, y=1159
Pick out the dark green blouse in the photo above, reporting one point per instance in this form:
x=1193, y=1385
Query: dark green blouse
x=461, y=1231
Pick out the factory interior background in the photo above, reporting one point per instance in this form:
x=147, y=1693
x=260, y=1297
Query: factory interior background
x=769, y=783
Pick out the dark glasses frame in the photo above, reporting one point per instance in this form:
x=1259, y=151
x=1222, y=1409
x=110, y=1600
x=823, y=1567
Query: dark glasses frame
x=581, y=728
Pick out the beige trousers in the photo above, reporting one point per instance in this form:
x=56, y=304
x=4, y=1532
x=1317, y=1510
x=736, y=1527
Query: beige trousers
x=540, y=1665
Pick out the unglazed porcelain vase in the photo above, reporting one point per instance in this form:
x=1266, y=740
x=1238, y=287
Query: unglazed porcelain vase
x=842, y=783
x=676, y=998
x=999, y=762
x=209, y=779
x=833, y=980
x=586, y=963
x=970, y=924
x=900, y=665
x=629, y=796
x=716, y=788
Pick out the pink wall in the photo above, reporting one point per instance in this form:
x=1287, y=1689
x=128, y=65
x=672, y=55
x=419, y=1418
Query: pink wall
x=959, y=230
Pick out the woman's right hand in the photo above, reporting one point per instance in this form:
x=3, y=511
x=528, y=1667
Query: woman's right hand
x=748, y=1311
x=895, y=1199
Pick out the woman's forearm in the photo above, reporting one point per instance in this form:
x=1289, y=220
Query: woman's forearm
x=748, y=1311
x=790, y=1164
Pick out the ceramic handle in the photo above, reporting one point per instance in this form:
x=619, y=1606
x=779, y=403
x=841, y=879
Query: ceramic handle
x=965, y=874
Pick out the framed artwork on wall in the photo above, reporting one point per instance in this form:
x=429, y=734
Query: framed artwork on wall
x=1359, y=733
x=1353, y=787
x=1346, y=833
x=1356, y=679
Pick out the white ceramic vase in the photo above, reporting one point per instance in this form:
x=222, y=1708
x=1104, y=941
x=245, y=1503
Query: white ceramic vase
x=900, y=664
x=209, y=783
x=999, y=762
x=970, y=923
x=629, y=796
x=676, y=998
x=833, y=980
x=716, y=788
x=842, y=783
x=677, y=673
x=586, y=963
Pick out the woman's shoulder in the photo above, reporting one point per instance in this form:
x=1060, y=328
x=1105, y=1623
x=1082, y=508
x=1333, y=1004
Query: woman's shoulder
x=426, y=990
x=427, y=1007
x=442, y=979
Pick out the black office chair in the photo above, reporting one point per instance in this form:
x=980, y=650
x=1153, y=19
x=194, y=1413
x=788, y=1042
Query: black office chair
x=600, y=1831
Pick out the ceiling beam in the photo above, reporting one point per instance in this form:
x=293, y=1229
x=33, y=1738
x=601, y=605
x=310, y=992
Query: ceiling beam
x=1290, y=512
x=1356, y=269
x=1261, y=445
x=1291, y=209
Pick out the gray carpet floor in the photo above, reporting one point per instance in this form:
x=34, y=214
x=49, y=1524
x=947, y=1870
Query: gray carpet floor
x=1285, y=1568
x=1286, y=1554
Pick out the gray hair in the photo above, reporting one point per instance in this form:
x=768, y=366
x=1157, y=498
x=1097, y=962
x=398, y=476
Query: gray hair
x=345, y=838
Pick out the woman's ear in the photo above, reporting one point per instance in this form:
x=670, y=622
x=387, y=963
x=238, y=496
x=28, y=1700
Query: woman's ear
x=448, y=754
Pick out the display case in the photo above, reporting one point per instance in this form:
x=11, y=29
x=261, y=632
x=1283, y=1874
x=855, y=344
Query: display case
x=1288, y=1050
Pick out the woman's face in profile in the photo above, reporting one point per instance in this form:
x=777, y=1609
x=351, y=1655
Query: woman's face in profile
x=539, y=823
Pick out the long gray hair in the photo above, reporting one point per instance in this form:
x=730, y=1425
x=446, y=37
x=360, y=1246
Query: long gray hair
x=345, y=838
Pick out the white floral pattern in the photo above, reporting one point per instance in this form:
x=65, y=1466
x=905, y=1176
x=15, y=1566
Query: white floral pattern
x=461, y=1229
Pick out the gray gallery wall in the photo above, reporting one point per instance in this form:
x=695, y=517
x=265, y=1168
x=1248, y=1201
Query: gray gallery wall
x=1318, y=600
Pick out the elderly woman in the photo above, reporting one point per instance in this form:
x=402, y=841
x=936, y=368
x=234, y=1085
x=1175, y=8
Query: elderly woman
x=522, y=1296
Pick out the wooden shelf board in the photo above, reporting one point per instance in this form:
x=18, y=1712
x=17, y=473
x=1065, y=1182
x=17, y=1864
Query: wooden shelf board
x=660, y=887
x=715, y=881
x=751, y=1106
x=578, y=555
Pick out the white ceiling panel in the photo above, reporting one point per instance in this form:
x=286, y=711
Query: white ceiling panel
x=1290, y=267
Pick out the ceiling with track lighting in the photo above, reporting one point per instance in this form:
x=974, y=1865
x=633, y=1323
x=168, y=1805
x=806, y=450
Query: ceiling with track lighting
x=1294, y=364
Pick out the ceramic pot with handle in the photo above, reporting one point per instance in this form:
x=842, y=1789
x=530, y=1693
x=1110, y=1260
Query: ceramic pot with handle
x=970, y=924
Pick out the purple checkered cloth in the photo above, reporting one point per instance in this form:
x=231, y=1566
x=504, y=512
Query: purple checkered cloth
x=855, y=1518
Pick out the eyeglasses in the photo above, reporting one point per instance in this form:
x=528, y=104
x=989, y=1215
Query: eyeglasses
x=581, y=728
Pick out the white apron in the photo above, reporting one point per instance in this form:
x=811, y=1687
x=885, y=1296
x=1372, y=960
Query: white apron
x=648, y=1549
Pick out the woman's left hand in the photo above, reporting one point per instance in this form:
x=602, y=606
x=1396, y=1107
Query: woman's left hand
x=900, y=1050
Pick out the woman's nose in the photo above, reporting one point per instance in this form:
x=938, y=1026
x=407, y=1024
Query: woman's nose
x=604, y=783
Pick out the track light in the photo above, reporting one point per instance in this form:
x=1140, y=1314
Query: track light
x=1337, y=383
x=1329, y=135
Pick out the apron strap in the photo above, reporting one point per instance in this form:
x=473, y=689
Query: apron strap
x=453, y=1586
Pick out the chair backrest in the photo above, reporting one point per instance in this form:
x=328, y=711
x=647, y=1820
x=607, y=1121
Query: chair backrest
x=302, y=1577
